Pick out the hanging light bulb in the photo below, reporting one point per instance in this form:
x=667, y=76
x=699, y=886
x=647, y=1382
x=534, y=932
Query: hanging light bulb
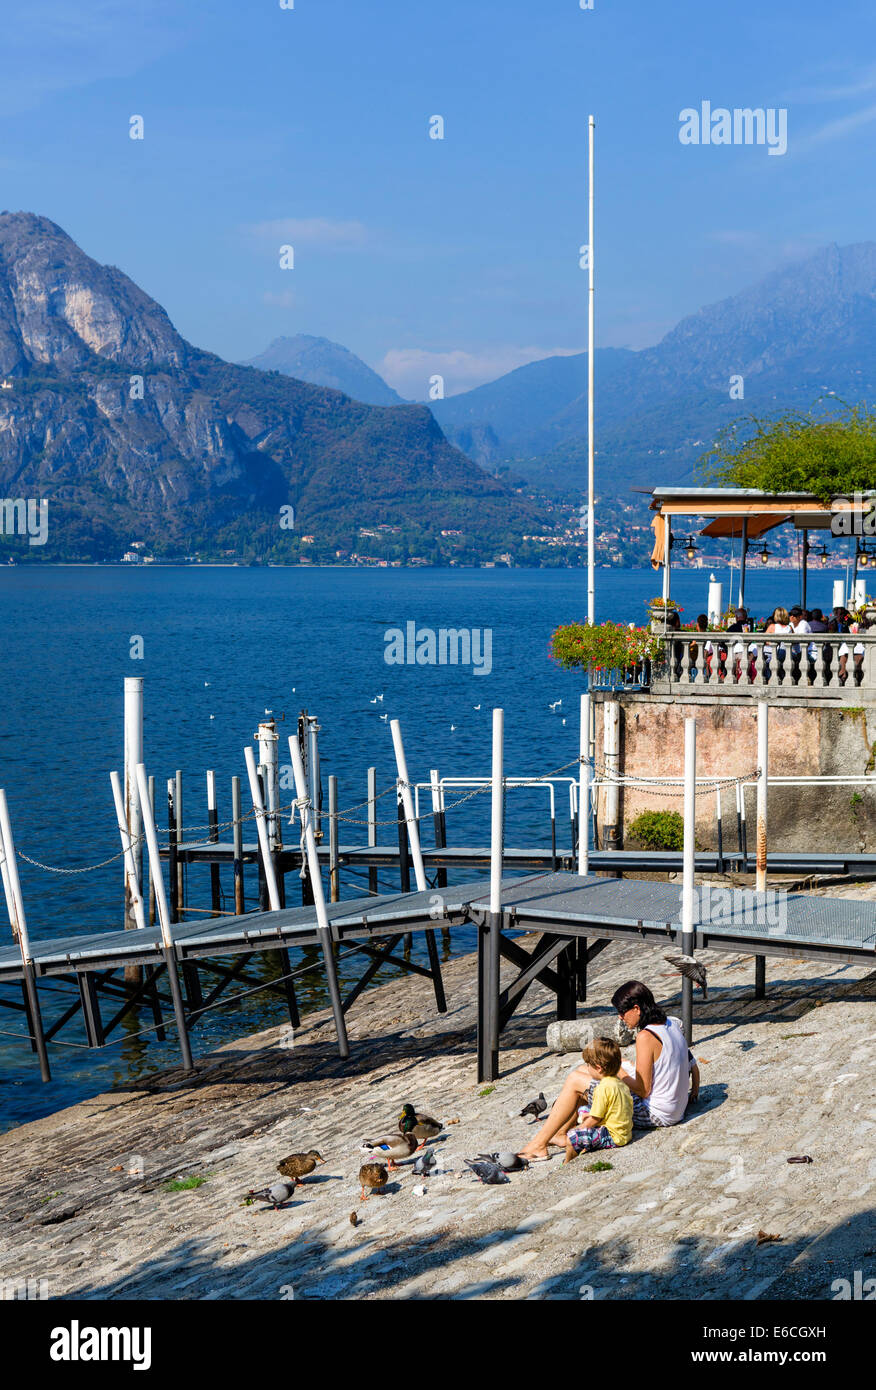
x=823, y=555
x=765, y=554
x=863, y=559
x=691, y=548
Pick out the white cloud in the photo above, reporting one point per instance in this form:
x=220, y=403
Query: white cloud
x=409, y=369
x=843, y=125
x=280, y=299
x=307, y=231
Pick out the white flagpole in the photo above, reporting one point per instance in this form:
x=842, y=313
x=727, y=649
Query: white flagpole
x=591, y=334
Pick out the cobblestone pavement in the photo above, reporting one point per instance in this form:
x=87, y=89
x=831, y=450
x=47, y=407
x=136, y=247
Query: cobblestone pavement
x=85, y=1201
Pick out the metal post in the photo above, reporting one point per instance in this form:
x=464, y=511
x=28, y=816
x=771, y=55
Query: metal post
x=490, y=1023
x=334, y=871
x=172, y=856
x=131, y=802
x=439, y=821
x=213, y=822
x=741, y=603
x=584, y=788
x=372, y=827
x=237, y=838
x=132, y=880
x=262, y=829
x=164, y=917
x=149, y=862
x=180, y=837
x=591, y=355
x=18, y=923
x=306, y=811
x=611, y=734
x=404, y=864
x=687, y=890
x=720, y=819
x=761, y=864
x=413, y=834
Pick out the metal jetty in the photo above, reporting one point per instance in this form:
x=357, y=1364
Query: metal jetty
x=574, y=919
x=574, y=914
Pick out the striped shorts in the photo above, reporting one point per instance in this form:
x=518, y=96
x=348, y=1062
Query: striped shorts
x=642, y=1117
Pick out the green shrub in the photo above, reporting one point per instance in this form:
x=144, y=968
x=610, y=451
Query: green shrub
x=658, y=830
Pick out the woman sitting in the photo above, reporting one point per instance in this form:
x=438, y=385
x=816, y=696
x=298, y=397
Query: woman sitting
x=664, y=1069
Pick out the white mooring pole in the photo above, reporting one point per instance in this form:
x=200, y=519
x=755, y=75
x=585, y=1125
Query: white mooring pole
x=131, y=804
x=163, y=915
x=584, y=788
x=306, y=812
x=488, y=1028
x=408, y=802
x=18, y=923
x=133, y=894
x=763, y=713
x=689, y=860
x=262, y=830
x=591, y=346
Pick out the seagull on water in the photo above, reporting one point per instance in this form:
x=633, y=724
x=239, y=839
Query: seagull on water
x=384, y=717
x=453, y=728
x=475, y=706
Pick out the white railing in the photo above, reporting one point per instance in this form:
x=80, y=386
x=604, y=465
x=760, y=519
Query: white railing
x=748, y=663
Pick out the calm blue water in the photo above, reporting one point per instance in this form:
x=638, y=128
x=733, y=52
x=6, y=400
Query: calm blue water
x=231, y=643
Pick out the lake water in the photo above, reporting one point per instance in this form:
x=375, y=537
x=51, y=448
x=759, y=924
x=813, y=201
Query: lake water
x=220, y=647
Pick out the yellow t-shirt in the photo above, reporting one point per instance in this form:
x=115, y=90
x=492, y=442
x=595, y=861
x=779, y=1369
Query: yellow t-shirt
x=612, y=1105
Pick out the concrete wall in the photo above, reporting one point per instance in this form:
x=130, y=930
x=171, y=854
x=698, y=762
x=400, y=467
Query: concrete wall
x=807, y=738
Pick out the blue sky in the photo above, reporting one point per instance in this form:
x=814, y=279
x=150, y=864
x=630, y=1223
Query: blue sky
x=309, y=126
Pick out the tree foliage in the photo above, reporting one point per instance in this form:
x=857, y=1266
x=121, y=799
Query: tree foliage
x=829, y=455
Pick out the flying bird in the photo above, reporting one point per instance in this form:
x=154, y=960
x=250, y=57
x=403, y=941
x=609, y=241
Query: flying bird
x=475, y=706
x=384, y=717
x=691, y=968
x=485, y=1170
x=277, y=1194
x=374, y=701
x=556, y=704
x=509, y=1162
x=535, y=1107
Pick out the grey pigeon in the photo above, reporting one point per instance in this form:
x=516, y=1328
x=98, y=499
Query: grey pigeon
x=424, y=1163
x=485, y=1170
x=535, y=1107
x=691, y=968
x=507, y=1160
x=277, y=1194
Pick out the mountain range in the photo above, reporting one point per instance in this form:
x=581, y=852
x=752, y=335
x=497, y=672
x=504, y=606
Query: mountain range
x=803, y=331
x=135, y=435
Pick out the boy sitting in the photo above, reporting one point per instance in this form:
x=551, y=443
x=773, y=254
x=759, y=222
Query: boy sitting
x=608, y=1124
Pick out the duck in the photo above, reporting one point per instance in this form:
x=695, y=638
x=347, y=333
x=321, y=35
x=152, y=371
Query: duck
x=374, y=1176
x=395, y=1146
x=424, y=1127
x=298, y=1166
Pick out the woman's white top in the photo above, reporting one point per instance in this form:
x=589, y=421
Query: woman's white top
x=670, y=1079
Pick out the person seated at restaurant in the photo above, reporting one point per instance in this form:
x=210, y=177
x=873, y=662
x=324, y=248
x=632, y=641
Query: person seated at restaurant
x=702, y=625
x=779, y=624
x=799, y=624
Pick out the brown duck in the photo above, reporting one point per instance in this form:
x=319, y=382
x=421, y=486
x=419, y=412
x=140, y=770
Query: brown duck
x=298, y=1166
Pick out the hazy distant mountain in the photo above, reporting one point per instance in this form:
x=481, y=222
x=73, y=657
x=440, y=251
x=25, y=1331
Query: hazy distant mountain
x=134, y=434
x=805, y=330
x=324, y=363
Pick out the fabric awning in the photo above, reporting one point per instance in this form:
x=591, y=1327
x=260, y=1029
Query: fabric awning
x=758, y=525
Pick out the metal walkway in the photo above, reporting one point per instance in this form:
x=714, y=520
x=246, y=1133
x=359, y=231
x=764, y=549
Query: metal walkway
x=574, y=918
x=839, y=863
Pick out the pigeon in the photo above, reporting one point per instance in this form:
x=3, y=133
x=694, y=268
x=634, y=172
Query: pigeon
x=277, y=1194
x=691, y=968
x=424, y=1163
x=535, y=1107
x=509, y=1162
x=485, y=1170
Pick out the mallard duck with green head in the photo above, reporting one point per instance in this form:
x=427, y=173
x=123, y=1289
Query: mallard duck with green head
x=395, y=1147
x=424, y=1127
